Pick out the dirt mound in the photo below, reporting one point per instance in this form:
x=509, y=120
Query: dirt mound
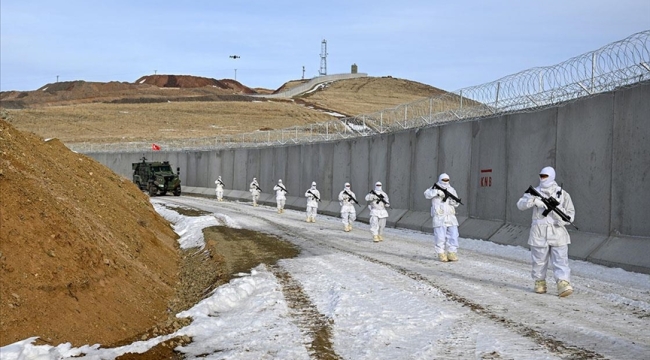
x=81, y=249
x=188, y=81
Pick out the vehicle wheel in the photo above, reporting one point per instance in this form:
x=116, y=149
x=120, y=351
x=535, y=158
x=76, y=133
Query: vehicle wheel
x=163, y=192
x=152, y=189
x=177, y=192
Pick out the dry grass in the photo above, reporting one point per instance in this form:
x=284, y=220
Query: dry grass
x=161, y=121
x=368, y=95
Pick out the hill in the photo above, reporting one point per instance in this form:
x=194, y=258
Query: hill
x=152, y=111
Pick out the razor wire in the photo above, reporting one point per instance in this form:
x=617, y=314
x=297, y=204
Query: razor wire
x=616, y=65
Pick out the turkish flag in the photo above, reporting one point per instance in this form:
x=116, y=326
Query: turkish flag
x=155, y=147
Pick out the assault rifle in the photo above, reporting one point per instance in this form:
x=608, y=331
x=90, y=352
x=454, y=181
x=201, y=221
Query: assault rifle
x=447, y=194
x=258, y=188
x=283, y=189
x=221, y=182
x=381, y=197
x=314, y=195
x=351, y=197
x=551, y=205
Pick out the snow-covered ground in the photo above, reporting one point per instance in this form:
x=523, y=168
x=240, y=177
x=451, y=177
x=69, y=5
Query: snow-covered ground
x=390, y=300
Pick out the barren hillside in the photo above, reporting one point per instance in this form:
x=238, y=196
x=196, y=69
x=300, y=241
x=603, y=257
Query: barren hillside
x=150, y=111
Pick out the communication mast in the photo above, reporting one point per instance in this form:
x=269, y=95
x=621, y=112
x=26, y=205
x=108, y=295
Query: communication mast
x=323, y=58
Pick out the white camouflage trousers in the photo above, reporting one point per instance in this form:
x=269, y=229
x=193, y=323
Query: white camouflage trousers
x=558, y=256
x=377, y=225
x=219, y=194
x=348, y=217
x=311, y=212
x=445, y=236
x=281, y=203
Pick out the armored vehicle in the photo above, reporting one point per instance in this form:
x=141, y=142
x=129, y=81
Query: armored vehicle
x=156, y=177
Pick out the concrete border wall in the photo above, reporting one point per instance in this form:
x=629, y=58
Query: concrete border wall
x=599, y=146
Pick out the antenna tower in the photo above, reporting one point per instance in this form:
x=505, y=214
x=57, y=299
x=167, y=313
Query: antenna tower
x=323, y=58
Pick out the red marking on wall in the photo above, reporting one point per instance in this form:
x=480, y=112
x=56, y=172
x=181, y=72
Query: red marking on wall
x=486, y=180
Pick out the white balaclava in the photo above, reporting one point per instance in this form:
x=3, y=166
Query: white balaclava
x=219, y=177
x=378, y=186
x=313, y=185
x=347, y=186
x=280, y=182
x=441, y=183
x=254, y=179
x=550, y=180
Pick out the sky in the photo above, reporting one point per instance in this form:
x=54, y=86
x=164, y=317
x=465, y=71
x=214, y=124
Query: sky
x=446, y=44
x=388, y=300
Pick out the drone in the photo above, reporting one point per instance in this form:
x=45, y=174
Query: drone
x=235, y=56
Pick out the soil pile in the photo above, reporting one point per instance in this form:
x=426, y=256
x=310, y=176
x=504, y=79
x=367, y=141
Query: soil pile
x=84, y=257
x=150, y=88
x=188, y=81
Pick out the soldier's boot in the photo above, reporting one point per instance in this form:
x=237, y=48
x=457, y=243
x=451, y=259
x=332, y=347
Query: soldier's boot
x=452, y=256
x=347, y=228
x=564, y=288
x=308, y=219
x=442, y=257
x=381, y=238
x=279, y=211
x=313, y=219
x=375, y=238
x=282, y=210
x=540, y=286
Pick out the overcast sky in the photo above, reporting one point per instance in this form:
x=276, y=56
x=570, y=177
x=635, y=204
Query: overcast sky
x=446, y=44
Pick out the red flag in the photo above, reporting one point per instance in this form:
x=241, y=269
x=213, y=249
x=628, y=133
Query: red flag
x=155, y=147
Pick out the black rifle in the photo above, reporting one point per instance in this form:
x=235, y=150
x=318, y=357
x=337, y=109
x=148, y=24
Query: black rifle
x=314, y=195
x=258, y=188
x=381, y=197
x=551, y=205
x=351, y=197
x=282, y=188
x=221, y=182
x=447, y=194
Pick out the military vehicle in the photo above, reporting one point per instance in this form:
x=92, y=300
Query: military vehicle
x=156, y=177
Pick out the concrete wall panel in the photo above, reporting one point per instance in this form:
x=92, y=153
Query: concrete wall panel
x=325, y=172
x=267, y=167
x=228, y=173
x=202, y=163
x=378, y=164
x=424, y=167
x=531, y=139
x=584, y=155
x=280, y=158
x=341, y=164
x=488, y=172
x=241, y=180
x=308, y=169
x=214, y=169
x=294, y=168
x=359, y=170
x=631, y=165
x=253, y=167
x=399, y=173
x=455, y=159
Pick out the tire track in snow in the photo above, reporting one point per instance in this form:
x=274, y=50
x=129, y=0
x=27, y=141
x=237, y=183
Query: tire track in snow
x=315, y=325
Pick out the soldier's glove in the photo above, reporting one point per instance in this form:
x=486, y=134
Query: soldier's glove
x=539, y=203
